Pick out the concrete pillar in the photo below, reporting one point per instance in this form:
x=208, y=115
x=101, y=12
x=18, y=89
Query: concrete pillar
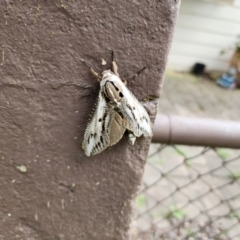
x=48, y=188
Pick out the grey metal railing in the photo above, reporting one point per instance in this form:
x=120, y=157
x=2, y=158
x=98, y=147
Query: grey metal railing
x=196, y=131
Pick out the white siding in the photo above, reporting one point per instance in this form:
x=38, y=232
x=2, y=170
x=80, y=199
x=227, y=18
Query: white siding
x=202, y=31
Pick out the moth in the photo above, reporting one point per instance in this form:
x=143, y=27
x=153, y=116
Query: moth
x=116, y=111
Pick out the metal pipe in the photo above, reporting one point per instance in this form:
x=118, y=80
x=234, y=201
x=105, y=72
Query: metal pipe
x=196, y=131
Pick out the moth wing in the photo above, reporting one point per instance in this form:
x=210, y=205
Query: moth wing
x=118, y=128
x=97, y=133
x=135, y=114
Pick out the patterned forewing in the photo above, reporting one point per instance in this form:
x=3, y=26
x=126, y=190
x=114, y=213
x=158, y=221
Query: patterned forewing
x=136, y=115
x=96, y=137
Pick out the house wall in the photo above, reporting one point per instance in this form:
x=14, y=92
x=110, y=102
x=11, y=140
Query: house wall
x=203, y=30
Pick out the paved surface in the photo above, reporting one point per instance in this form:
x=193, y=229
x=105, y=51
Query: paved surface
x=186, y=95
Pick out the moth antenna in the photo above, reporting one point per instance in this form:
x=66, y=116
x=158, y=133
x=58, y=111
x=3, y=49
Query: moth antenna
x=139, y=72
x=94, y=73
x=113, y=56
x=85, y=62
x=114, y=65
x=142, y=69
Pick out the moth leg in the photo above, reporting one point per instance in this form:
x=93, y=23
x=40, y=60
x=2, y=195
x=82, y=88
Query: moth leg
x=131, y=139
x=139, y=72
x=124, y=81
x=95, y=74
x=114, y=65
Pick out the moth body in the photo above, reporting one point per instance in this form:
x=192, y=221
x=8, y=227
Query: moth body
x=117, y=110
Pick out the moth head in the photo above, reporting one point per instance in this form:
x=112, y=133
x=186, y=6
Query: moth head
x=112, y=86
x=107, y=73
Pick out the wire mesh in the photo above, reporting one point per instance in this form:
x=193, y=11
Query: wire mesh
x=189, y=193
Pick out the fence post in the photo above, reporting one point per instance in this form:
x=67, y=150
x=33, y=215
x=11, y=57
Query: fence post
x=49, y=188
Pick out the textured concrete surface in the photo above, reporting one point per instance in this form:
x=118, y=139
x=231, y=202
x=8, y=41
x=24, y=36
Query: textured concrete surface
x=49, y=189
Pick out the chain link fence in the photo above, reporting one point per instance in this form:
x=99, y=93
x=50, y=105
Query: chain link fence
x=189, y=193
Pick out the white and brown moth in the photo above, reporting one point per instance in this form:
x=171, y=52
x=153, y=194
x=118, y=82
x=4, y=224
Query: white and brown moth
x=116, y=111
